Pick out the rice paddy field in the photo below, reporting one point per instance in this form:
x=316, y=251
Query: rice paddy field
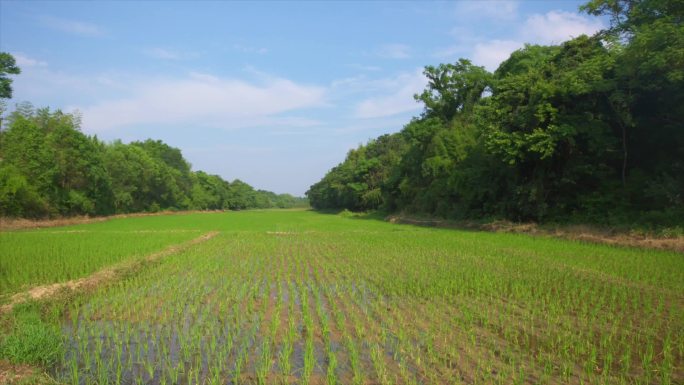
x=298, y=297
x=32, y=258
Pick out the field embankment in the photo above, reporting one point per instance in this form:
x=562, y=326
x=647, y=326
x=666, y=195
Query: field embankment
x=587, y=233
x=9, y=224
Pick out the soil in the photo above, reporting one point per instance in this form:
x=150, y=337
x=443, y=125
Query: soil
x=22, y=374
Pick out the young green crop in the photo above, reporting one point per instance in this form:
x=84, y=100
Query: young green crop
x=300, y=297
x=31, y=258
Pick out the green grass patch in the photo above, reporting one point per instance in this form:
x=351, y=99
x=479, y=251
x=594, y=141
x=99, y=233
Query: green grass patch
x=31, y=340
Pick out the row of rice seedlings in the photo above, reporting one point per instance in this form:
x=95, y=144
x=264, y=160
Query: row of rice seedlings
x=443, y=358
x=552, y=317
x=438, y=361
x=287, y=346
x=194, y=337
x=346, y=338
x=395, y=339
x=268, y=337
x=440, y=341
x=331, y=358
x=308, y=323
x=534, y=316
x=373, y=342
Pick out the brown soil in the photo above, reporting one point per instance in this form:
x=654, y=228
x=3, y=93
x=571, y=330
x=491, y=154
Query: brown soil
x=100, y=277
x=22, y=223
x=22, y=374
x=573, y=232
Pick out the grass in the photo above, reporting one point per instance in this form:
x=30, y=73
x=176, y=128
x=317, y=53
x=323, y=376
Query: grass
x=31, y=340
x=301, y=297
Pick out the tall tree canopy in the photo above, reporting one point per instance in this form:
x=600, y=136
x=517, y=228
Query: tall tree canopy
x=8, y=66
x=592, y=129
x=48, y=167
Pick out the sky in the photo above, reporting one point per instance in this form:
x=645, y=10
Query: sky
x=271, y=93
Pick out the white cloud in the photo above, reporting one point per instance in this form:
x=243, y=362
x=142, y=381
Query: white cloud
x=501, y=10
x=170, y=54
x=25, y=61
x=491, y=53
x=350, y=83
x=42, y=85
x=465, y=38
x=72, y=26
x=275, y=125
x=204, y=100
x=555, y=27
x=394, y=51
x=248, y=49
x=367, y=68
x=374, y=127
x=450, y=51
x=398, y=97
x=162, y=53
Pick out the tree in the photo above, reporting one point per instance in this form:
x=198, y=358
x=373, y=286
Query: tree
x=453, y=88
x=646, y=92
x=357, y=183
x=18, y=198
x=48, y=167
x=627, y=16
x=59, y=163
x=8, y=66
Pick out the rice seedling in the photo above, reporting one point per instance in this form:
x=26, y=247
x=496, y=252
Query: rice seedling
x=31, y=258
x=300, y=297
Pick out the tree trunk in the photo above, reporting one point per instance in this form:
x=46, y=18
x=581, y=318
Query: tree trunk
x=624, y=155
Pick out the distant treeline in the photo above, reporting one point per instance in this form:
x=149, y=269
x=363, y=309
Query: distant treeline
x=589, y=130
x=48, y=167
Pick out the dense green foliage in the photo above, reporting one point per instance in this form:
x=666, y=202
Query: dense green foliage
x=8, y=66
x=48, y=167
x=295, y=296
x=592, y=130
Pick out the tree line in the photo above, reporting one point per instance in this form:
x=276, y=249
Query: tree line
x=49, y=167
x=590, y=130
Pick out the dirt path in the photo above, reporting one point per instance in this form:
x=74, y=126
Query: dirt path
x=100, y=277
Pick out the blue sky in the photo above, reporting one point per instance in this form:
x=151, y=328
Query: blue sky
x=272, y=93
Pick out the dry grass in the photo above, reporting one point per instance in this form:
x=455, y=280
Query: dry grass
x=23, y=223
x=22, y=374
x=574, y=232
